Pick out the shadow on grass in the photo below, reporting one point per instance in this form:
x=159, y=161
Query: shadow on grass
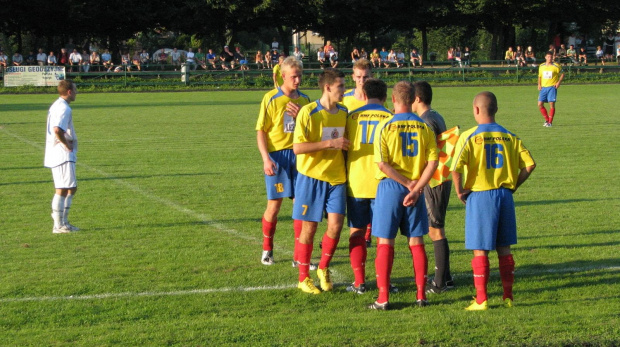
x=83, y=106
x=113, y=178
x=546, y=235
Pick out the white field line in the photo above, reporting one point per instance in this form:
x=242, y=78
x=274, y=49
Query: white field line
x=248, y=289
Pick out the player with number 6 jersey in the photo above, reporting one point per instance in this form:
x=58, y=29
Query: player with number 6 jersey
x=275, y=128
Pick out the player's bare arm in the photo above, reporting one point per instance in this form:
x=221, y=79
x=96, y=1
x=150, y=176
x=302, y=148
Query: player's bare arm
x=395, y=175
x=539, y=85
x=310, y=147
x=457, y=177
x=557, y=85
x=524, y=174
x=269, y=167
x=60, y=136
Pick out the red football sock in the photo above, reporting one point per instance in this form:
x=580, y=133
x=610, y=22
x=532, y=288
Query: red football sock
x=480, y=265
x=507, y=273
x=357, y=255
x=368, y=235
x=543, y=110
x=304, y=254
x=329, y=248
x=383, y=265
x=551, y=114
x=297, y=228
x=269, y=229
x=420, y=268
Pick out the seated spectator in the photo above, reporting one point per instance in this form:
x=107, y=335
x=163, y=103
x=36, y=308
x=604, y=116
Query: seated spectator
x=328, y=49
x=95, y=61
x=106, y=60
x=63, y=58
x=571, y=54
x=553, y=51
x=375, y=58
x=600, y=54
x=509, y=57
x=608, y=46
x=18, y=59
x=212, y=59
x=268, y=62
x=3, y=59
x=275, y=57
x=363, y=54
x=41, y=57
x=298, y=54
x=519, y=57
x=355, y=55
x=227, y=59
x=391, y=59
x=241, y=59
x=530, y=57
x=466, y=56
x=85, y=64
x=450, y=56
x=562, y=54
x=583, y=56
x=457, y=56
x=201, y=59
x=415, y=58
x=320, y=57
x=75, y=59
x=31, y=59
x=400, y=58
x=176, y=58
x=126, y=61
x=333, y=59
x=51, y=59
x=145, y=60
x=259, y=60
x=190, y=59
x=384, y=56
x=135, y=60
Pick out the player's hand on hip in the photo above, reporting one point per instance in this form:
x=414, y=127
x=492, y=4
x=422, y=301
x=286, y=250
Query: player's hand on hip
x=270, y=168
x=463, y=195
x=292, y=109
x=411, y=198
x=339, y=143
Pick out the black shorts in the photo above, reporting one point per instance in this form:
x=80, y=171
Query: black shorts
x=437, y=203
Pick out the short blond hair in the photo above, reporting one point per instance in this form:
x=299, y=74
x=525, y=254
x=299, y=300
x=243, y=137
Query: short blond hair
x=291, y=63
x=404, y=92
x=64, y=86
x=362, y=64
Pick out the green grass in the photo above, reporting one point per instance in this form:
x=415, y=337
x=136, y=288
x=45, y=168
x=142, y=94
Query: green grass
x=170, y=199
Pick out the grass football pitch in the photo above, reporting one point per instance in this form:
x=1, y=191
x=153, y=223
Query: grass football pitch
x=170, y=197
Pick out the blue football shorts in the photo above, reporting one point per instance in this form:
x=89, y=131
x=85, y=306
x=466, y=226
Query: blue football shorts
x=548, y=94
x=314, y=196
x=490, y=220
x=359, y=212
x=411, y=220
x=282, y=185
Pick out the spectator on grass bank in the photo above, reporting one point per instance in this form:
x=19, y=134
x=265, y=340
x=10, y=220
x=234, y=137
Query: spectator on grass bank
x=414, y=58
x=320, y=57
x=600, y=54
x=241, y=59
x=3, y=59
x=95, y=61
x=375, y=58
x=190, y=57
x=355, y=55
x=200, y=59
x=519, y=58
x=383, y=55
x=571, y=54
x=126, y=61
x=333, y=59
x=75, y=58
x=227, y=58
x=530, y=57
x=135, y=60
x=162, y=58
x=553, y=51
x=267, y=60
x=298, y=54
x=400, y=58
x=363, y=54
x=85, y=64
x=608, y=46
x=509, y=57
x=583, y=56
x=259, y=60
x=450, y=56
x=51, y=59
x=63, y=58
x=466, y=56
x=41, y=57
x=275, y=56
x=211, y=59
x=31, y=59
x=145, y=59
x=457, y=56
x=391, y=59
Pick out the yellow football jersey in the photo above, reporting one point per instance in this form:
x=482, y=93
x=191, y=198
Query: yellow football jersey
x=315, y=124
x=350, y=102
x=490, y=157
x=277, y=70
x=406, y=143
x=275, y=121
x=549, y=74
x=361, y=126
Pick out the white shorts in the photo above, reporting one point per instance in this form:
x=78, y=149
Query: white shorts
x=64, y=176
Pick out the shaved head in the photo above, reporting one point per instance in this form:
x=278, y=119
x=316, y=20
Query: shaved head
x=487, y=102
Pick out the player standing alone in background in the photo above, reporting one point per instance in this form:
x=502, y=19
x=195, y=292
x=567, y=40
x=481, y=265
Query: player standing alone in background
x=361, y=181
x=406, y=154
x=320, y=186
x=491, y=163
x=437, y=196
x=550, y=77
x=60, y=156
x=274, y=134
x=354, y=99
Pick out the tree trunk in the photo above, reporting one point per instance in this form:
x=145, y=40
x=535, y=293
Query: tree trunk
x=424, y=43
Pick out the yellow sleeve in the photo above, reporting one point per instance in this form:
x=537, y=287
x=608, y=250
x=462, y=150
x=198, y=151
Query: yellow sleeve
x=264, y=121
x=301, y=128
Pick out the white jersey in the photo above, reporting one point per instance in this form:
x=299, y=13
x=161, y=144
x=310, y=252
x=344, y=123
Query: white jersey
x=59, y=115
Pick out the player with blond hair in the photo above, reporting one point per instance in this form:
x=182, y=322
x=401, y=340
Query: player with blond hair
x=274, y=135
